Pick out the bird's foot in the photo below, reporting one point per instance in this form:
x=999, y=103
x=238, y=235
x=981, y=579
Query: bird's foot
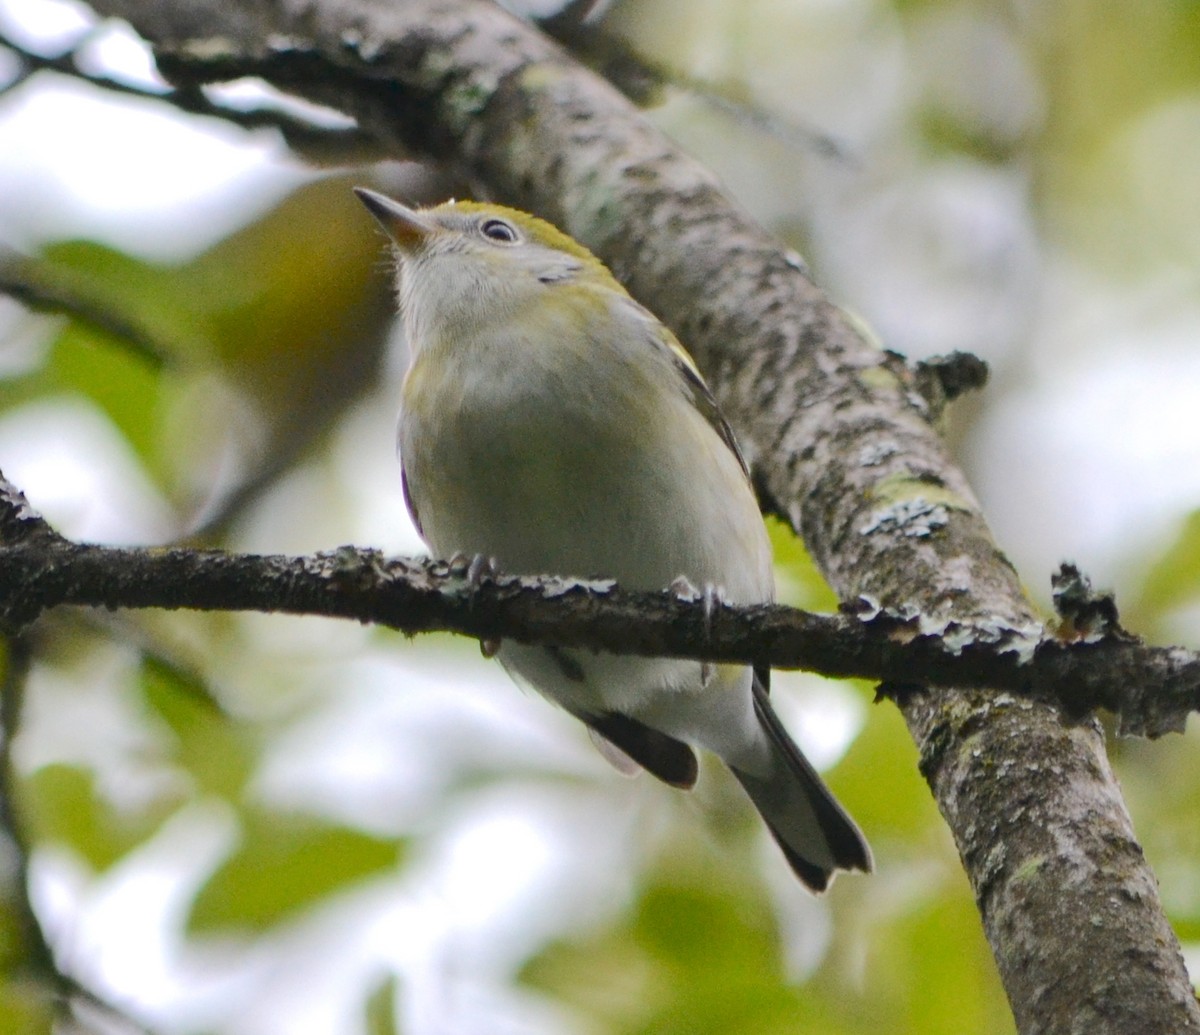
x=478, y=568
x=709, y=596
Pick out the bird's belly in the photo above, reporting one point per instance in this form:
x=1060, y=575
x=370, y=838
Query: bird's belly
x=546, y=489
x=546, y=484
x=538, y=503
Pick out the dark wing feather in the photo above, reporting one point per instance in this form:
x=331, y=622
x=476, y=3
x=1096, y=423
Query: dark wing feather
x=671, y=760
x=408, y=502
x=702, y=398
x=697, y=392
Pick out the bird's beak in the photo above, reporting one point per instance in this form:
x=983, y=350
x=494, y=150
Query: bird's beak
x=405, y=226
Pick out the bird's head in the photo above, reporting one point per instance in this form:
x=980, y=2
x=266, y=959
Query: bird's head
x=465, y=266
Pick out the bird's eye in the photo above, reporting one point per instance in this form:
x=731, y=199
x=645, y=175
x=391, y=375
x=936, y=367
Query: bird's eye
x=499, y=230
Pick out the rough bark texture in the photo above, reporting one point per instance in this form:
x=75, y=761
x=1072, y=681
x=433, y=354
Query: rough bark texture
x=40, y=570
x=840, y=442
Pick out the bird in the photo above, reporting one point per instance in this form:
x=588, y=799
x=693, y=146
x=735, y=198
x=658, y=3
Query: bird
x=551, y=424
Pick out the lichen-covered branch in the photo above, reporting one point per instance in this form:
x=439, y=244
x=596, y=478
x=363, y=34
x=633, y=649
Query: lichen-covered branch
x=837, y=431
x=40, y=570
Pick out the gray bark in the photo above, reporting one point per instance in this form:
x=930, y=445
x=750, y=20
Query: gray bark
x=40, y=570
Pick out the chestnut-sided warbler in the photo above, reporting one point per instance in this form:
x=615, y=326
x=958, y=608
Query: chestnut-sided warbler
x=551, y=424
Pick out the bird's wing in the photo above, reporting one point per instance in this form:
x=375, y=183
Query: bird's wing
x=671, y=760
x=692, y=384
x=408, y=502
x=702, y=399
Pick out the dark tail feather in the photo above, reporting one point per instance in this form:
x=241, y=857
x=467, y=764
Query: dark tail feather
x=671, y=760
x=814, y=831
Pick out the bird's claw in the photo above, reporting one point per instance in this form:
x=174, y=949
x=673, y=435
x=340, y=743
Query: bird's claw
x=481, y=567
x=682, y=587
x=710, y=597
x=478, y=568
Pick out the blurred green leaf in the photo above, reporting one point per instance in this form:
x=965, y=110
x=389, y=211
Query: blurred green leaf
x=297, y=307
x=126, y=301
x=936, y=942
x=1160, y=781
x=798, y=582
x=1107, y=189
x=26, y=1008
x=85, y=360
x=1172, y=580
x=380, y=1010
x=300, y=300
x=284, y=864
x=290, y=314
x=879, y=782
x=61, y=803
x=12, y=941
x=698, y=952
x=218, y=753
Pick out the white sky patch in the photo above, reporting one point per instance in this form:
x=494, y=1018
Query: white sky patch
x=80, y=473
x=399, y=728
x=115, y=49
x=1100, y=453
x=490, y=864
x=504, y=882
x=1191, y=959
x=77, y=163
x=254, y=94
x=823, y=715
x=46, y=26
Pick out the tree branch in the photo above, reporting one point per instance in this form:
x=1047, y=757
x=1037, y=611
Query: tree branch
x=838, y=433
x=41, y=570
x=320, y=145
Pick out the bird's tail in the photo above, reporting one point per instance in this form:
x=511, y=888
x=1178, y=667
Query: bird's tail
x=814, y=831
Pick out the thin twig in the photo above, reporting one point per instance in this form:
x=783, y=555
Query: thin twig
x=319, y=145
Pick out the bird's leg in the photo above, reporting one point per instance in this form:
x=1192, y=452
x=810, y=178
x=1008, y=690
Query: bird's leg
x=710, y=596
x=479, y=567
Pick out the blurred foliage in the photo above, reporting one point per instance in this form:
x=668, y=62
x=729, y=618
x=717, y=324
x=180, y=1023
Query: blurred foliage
x=264, y=340
x=284, y=865
x=1161, y=780
x=698, y=952
x=240, y=350
x=381, y=1008
x=692, y=955
x=217, y=752
x=25, y=1008
x=62, y=806
x=798, y=582
x=149, y=751
x=1171, y=581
